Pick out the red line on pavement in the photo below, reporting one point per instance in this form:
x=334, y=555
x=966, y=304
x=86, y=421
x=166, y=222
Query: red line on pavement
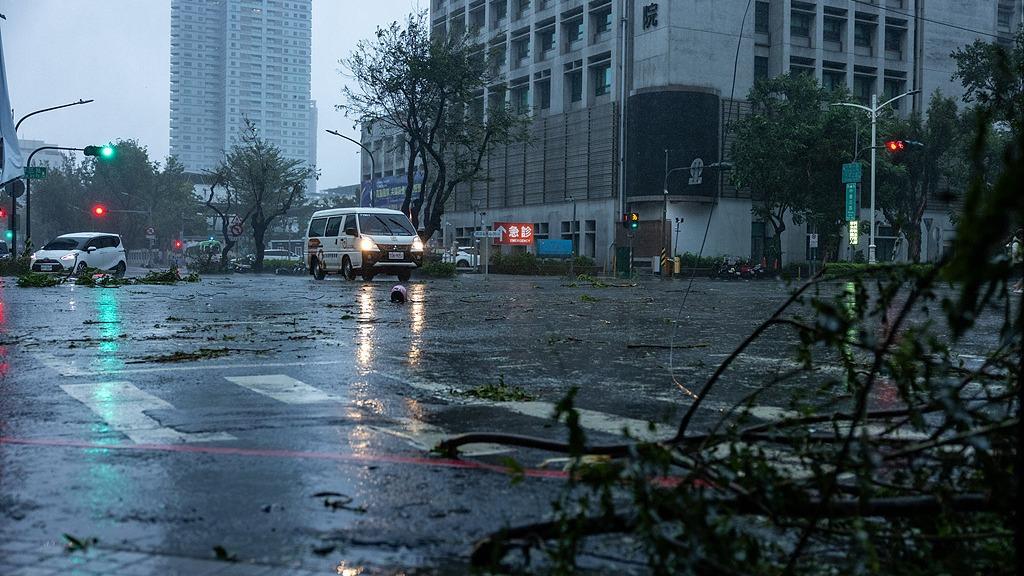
x=269, y=453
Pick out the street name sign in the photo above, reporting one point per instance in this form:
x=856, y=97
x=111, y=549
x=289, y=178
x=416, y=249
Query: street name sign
x=487, y=234
x=854, y=233
x=851, y=202
x=851, y=173
x=35, y=172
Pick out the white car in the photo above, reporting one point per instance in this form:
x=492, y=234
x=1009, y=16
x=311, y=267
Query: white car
x=80, y=251
x=461, y=257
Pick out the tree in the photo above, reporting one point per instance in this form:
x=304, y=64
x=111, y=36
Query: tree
x=227, y=207
x=789, y=153
x=428, y=91
x=904, y=189
x=265, y=183
x=993, y=78
x=59, y=205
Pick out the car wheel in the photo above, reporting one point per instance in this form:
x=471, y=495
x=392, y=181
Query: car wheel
x=368, y=276
x=346, y=269
x=404, y=275
x=319, y=271
x=80, y=269
x=120, y=269
x=462, y=264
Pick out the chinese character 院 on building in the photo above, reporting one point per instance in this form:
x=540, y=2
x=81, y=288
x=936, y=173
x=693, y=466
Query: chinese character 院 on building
x=650, y=15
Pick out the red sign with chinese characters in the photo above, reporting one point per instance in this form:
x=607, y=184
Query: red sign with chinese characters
x=516, y=233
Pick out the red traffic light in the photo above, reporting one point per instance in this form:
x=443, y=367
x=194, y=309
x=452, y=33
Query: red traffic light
x=99, y=210
x=895, y=145
x=3, y=213
x=177, y=244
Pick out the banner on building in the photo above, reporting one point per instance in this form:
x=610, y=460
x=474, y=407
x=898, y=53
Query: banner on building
x=388, y=191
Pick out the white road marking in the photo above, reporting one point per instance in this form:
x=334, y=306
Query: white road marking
x=178, y=367
x=283, y=388
x=589, y=419
x=123, y=407
x=425, y=437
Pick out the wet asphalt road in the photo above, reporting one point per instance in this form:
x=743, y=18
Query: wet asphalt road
x=299, y=435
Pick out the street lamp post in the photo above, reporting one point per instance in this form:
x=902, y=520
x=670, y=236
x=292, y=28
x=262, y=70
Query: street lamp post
x=373, y=162
x=26, y=116
x=573, y=230
x=873, y=113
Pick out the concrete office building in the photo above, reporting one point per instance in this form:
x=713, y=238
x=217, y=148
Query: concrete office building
x=625, y=91
x=238, y=59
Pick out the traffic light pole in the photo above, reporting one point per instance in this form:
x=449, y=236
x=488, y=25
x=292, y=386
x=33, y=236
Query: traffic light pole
x=28, y=192
x=873, y=112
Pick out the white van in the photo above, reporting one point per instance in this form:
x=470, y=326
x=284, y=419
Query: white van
x=366, y=241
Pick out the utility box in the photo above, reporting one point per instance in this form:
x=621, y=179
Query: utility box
x=623, y=261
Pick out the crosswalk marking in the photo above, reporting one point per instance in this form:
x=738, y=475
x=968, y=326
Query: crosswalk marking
x=283, y=389
x=122, y=406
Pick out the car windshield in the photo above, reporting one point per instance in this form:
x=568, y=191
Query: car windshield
x=66, y=243
x=388, y=224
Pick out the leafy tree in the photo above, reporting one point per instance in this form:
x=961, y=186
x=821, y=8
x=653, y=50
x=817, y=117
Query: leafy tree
x=426, y=90
x=265, y=183
x=904, y=190
x=992, y=78
x=789, y=153
x=138, y=193
x=226, y=206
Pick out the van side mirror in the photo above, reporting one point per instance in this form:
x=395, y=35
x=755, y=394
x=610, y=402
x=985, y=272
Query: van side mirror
x=90, y=249
x=351, y=232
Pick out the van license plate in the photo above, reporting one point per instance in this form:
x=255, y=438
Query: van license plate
x=396, y=255
x=46, y=267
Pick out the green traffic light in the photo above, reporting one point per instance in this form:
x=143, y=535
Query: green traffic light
x=107, y=152
x=8, y=235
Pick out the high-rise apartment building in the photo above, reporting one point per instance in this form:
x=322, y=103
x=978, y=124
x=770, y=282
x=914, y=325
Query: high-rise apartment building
x=633, y=98
x=233, y=60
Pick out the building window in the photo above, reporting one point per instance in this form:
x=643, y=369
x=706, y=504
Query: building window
x=833, y=79
x=601, y=21
x=521, y=51
x=602, y=78
x=862, y=35
x=522, y=7
x=571, y=231
x=521, y=99
x=760, y=67
x=541, y=231
x=543, y=93
x=800, y=25
x=589, y=248
x=863, y=87
x=892, y=88
x=761, y=16
x=546, y=38
x=894, y=41
x=499, y=13
x=573, y=32
x=833, y=30
x=574, y=82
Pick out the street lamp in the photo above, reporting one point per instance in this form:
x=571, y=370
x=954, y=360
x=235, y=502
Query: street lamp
x=373, y=162
x=873, y=113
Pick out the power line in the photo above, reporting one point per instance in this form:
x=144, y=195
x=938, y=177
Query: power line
x=923, y=19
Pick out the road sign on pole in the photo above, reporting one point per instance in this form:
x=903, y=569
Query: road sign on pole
x=813, y=240
x=35, y=172
x=851, y=173
x=150, y=233
x=487, y=234
x=851, y=202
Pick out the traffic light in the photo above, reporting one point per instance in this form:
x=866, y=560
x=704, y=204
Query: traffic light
x=105, y=152
x=3, y=213
x=177, y=244
x=631, y=220
x=99, y=210
x=8, y=235
x=898, y=148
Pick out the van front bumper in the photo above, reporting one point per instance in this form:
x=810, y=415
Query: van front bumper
x=381, y=260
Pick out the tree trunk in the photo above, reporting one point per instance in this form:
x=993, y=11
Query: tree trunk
x=258, y=232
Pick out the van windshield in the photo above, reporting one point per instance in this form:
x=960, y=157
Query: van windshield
x=385, y=224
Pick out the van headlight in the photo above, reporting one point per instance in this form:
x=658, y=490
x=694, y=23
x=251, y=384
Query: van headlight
x=367, y=245
x=68, y=257
x=417, y=245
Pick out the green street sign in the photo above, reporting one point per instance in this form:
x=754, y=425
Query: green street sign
x=851, y=202
x=35, y=172
x=851, y=173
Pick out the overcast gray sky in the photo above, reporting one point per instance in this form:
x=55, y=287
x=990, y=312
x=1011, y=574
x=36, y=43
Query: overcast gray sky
x=118, y=52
